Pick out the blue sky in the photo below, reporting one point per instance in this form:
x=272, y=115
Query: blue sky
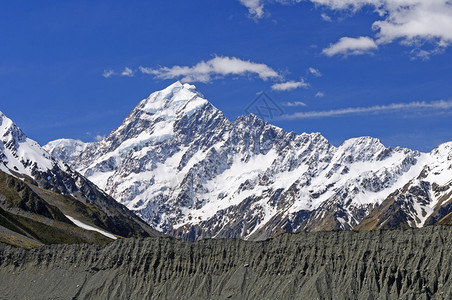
x=344, y=68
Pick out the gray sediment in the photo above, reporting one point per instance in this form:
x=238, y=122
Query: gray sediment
x=393, y=264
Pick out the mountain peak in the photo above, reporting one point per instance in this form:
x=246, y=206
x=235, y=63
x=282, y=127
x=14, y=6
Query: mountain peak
x=18, y=153
x=364, y=143
x=249, y=120
x=9, y=131
x=175, y=98
x=66, y=149
x=5, y=122
x=190, y=172
x=444, y=150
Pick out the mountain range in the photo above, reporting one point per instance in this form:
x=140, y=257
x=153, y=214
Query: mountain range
x=189, y=172
x=43, y=200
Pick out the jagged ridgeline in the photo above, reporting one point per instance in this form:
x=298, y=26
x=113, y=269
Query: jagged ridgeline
x=390, y=264
x=189, y=172
x=43, y=201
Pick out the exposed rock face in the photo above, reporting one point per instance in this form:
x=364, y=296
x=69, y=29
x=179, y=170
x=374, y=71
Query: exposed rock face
x=424, y=200
x=190, y=172
x=399, y=264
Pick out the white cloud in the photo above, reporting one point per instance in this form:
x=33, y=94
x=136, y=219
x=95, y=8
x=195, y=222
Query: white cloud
x=127, y=72
x=294, y=103
x=351, y=5
x=315, y=72
x=218, y=66
x=287, y=2
x=255, y=7
x=319, y=94
x=290, y=85
x=108, y=73
x=415, y=22
x=434, y=105
x=325, y=17
x=351, y=46
x=148, y=71
x=421, y=19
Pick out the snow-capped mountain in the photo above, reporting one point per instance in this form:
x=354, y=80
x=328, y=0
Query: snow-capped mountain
x=424, y=200
x=190, y=172
x=21, y=155
x=67, y=150
x=23, y=158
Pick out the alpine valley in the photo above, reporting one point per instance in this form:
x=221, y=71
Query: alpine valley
x=189, y=172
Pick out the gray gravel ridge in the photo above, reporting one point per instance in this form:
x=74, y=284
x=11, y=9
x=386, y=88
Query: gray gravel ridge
x=389, y=264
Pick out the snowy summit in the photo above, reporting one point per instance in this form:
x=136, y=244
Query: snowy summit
x=189, y=171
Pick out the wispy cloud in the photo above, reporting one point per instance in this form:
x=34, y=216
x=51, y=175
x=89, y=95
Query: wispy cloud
x=315, y=72
x=351, y=46
x=99, y=137
x=294, y=104
x=127, y=72
x=395, y=107
x=325, y=17
x=290, y=85
x=319, y=94
x=108, y=73
x=148, y=71
x=216, y=67
x=219, y=67
x=255, y=8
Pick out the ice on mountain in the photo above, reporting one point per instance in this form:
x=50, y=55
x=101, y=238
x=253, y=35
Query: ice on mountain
x=180, y=164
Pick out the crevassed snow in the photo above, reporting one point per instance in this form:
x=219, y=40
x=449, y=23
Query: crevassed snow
x=163, y=176
x=91, y=228
x=101, y=178
x=234, y=176
x=194, y=105
x=359, y=170
x=162, y=131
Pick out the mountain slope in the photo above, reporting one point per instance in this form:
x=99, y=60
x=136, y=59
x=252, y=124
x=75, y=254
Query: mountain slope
x=389, y=264
x=66, y=150
x=27, y=220
x=190, y=172
x=27, y=169
x=424, y=200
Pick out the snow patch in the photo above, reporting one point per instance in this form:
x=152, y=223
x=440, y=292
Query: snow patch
x=91, y=228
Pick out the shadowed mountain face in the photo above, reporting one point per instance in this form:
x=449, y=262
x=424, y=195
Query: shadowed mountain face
x=190, y=172
x=31, y=216
x=392, y=264
x=43, y=200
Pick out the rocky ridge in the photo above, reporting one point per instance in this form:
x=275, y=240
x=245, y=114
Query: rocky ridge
x=389, y=264
x=35, y=188
x=190, y=172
